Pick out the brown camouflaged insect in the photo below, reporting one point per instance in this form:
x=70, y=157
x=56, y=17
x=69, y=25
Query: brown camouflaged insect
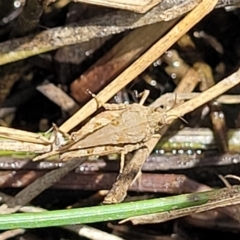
x=121, y=128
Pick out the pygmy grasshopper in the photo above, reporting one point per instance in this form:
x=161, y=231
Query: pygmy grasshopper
x=120, y=129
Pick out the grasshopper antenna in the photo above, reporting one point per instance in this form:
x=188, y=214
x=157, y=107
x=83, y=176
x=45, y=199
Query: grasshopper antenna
x=99, y=104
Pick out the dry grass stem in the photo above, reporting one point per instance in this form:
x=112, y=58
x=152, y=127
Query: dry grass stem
x=169, y=98
x=204, y=97
x=140, y=6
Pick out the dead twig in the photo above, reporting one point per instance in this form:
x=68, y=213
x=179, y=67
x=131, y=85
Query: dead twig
x=58, y=96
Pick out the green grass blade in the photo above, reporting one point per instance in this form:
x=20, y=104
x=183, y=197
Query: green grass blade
x=102, y=213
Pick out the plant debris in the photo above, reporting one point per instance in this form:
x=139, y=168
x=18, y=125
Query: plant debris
x=54, y=55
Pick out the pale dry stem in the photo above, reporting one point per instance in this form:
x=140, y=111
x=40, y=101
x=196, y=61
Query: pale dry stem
x=204, y=97
x=24, y=136
x=58, y=96
x=168, y=98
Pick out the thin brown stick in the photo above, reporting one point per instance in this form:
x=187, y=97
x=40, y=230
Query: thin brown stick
x=58, y=96
x=177, y=183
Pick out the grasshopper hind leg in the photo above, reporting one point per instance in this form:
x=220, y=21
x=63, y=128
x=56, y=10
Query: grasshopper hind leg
x=128, y=149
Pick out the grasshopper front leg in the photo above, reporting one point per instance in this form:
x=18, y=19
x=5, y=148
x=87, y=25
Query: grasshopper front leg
x=119, y=106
